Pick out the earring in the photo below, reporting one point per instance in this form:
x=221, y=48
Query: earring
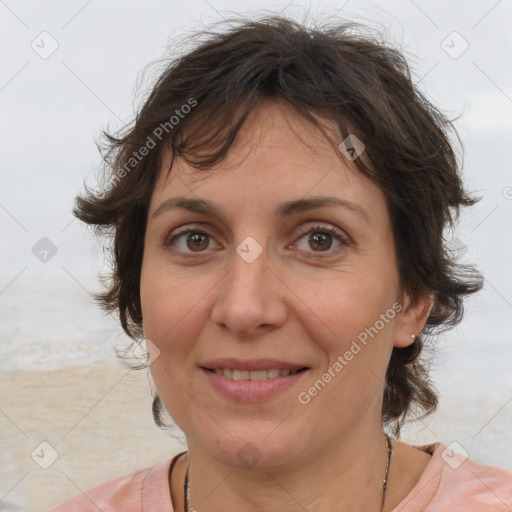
x=413, y=336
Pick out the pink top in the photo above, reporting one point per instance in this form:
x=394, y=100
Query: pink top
x=450, y=483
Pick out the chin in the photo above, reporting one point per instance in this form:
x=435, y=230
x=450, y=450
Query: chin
x=252, y=451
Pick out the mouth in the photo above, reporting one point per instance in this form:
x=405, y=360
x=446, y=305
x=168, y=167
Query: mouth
x=253, y=384
x=255, y=375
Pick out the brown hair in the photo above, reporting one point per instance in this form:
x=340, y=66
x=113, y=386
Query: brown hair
x=338, y=72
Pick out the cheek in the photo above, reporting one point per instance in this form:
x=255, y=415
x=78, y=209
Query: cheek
x=174, y=309
x=171, y=310
x=340, y=309
x=160, y=306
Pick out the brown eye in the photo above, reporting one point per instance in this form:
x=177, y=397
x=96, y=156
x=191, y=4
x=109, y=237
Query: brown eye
x=320, y=239
x=197, y=241
x=188, y=241
x=323, y=241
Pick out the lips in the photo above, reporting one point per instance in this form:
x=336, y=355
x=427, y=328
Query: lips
x=253, y=365
x=237, y=374
x=252, y=380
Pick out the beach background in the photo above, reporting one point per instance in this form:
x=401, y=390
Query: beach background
x=70, y=415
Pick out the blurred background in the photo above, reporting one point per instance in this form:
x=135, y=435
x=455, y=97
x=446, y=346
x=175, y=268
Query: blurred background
x=70, y=415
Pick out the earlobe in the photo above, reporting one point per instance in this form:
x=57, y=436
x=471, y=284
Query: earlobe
x=412, y=320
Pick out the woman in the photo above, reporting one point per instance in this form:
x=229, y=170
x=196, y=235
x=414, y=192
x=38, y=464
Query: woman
x=278, y=210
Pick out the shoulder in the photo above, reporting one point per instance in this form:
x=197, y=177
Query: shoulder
x=144, y=490
x=453, y=482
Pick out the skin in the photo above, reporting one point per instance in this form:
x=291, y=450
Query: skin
x=326, y=455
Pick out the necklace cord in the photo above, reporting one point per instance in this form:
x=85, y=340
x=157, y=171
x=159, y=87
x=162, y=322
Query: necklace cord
x=389, y=449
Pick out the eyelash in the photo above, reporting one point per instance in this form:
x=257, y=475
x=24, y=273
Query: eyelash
x=339, y=235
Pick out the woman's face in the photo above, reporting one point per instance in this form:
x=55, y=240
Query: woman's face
x=256, y=280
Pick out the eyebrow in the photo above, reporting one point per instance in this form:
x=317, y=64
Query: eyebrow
x=285, y=209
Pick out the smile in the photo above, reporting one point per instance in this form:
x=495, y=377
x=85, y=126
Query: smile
x=254, y=375
x=254, y=384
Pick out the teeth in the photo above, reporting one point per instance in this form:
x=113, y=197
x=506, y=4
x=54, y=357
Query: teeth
x=258, y=375
x=240, y=375
x=254, y=375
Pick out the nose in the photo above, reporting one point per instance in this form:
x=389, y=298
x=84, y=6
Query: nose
x=250, y=298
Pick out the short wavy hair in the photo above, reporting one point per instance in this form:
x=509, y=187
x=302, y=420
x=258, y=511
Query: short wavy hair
x=341, y=72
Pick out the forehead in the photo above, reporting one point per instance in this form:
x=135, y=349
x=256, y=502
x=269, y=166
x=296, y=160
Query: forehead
x=277, y=156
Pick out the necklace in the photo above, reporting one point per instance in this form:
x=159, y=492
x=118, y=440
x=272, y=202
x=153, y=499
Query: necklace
x=382, y=494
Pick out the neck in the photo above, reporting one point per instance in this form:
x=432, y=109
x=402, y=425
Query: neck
x=348, y=475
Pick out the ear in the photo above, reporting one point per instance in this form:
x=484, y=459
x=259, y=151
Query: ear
x=412, y=319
